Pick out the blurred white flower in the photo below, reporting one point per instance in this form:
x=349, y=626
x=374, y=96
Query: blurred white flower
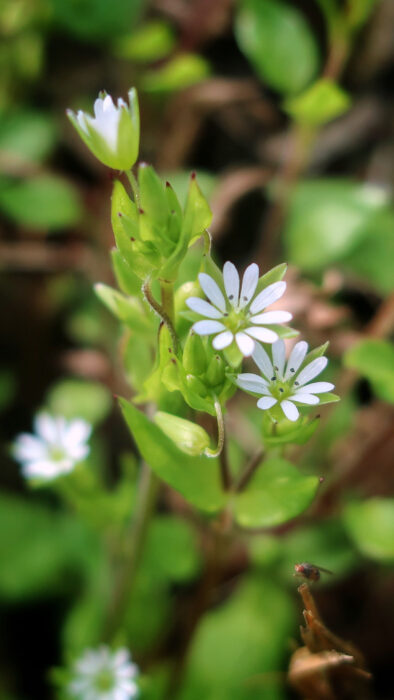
x=284, y=383
x=57, y=446
x=113, y=133
x=237, y=314
x=103, y=674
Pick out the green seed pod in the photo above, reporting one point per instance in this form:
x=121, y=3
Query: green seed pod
x=194, y=359
x=215, y=373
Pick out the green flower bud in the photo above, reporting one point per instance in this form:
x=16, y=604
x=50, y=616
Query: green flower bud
x=113, y=133
x=196, y=385
x=216, y=371
x=194, y=359
x=188, y=436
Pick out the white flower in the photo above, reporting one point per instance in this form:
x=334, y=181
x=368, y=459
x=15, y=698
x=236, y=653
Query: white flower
x=113, y=133
x=55, y=449
x=237, y=314
x=284, y=383
x=103, y=674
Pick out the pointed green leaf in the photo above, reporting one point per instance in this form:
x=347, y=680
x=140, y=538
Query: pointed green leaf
x=370, y=524
x=196, y=478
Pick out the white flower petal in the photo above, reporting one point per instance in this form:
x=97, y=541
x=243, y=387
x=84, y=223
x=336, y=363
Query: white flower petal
x=265, y=335
x=231, y=282
x=208, y=327
x=270, y=294
x=312, y=370
x=46, y=427
x=76, y=433
x=272, y=317
x=249, y=284
x=120, y=657
x=263, y=362
x=252, y=382
x=78, y=452
x=203, y=307
x=245, y=343
x=47, y=469
x=212, y=291
x=291, y=412
x=266, y=402
x=279, y=355
x=296, y=358
x=223, y=340
x=29, y=448
x=316, y=388
x=305, y=398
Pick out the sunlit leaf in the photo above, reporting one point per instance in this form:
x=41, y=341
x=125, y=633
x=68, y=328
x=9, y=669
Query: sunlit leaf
x=276, y=39
x=197, y=478
x=277, y=493
x=73, y=398
x=41, y=202
x=177, y=74
x=374, y=359
x=371, y=525
x=320, y=103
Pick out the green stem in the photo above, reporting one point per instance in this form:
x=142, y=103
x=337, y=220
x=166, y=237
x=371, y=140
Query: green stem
x=167, y=298
x=147, y=494
x=161, y=310
x=217, y=451
x=134, y=186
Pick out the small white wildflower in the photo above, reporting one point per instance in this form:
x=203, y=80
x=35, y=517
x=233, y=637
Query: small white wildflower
x=237, y=314
x=103, y=674
x=113, y=133
x=57, y=446
x=284, y=383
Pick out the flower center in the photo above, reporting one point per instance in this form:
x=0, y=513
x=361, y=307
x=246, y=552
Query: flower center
x=280, y=390
x=104, y=680
x=56, y=454
x=235, y=320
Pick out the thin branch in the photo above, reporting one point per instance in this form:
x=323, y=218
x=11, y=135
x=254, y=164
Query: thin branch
x=158, y=308
x=249, y=471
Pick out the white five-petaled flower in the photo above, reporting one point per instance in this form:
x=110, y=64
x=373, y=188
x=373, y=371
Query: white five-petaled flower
x=103, y=674
x=237, y=314
x=113, y=133
x=284, y=383
x=57, y=446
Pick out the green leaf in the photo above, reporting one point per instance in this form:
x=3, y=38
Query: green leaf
x=25, y=138
x=287, y=432
x=374, y=359
x=358, y=11
x=152, y=41
x=38, y=546
x=77, y=398
x=41, y=202
x=327, y=220
x=278, y=42
x=238, y=644
x=96, y=19
x=178, y=73
x=171, y=552
x=372, y=260
x=370, y=524
x=196, y=478
x=197, y=217
x=321, y=102
x=129, y=310
x=276, y=274
x=127, y=280
x=277, y=493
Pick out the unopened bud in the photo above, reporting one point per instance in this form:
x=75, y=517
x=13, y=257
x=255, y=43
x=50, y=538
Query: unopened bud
x=216, y=371
x=194, y=359
x=188, y=436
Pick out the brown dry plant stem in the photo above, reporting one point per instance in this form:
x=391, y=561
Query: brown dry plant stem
x=327, y=667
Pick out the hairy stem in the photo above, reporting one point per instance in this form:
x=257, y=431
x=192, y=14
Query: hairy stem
x=147, y=493
x=163, y=310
